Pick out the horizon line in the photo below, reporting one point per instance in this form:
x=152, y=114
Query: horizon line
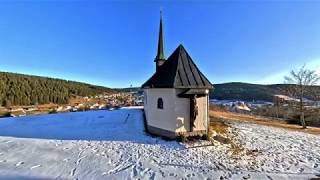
x=106, y=86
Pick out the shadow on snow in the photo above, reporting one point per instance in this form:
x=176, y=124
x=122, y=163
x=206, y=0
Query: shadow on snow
x=117, y=125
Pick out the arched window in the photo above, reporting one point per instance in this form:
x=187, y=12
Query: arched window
x=160, y=103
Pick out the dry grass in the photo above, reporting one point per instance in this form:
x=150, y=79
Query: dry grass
x=222, y=136
x=236, y=149
x=218, y=126
x=230, y=116
x=219, y=108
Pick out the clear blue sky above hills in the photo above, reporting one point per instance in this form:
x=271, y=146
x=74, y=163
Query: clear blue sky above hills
x=114, y=43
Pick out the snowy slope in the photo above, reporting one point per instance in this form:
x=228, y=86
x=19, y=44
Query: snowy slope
x=112, y=145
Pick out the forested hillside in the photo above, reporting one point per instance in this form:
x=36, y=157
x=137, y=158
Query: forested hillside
x=243, y=91
x=250, y=92
x=238, y=91
x=19, y=89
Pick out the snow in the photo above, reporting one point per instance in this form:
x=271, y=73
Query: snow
x=240, y=106
x=112, y=145
x=287, y=98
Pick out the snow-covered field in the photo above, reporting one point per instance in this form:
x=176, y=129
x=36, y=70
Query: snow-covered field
x=112, y=145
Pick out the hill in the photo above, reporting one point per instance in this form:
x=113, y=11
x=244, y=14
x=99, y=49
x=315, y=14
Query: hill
x=249, y=92
x=243, y=91
x=236, y=91
x=20, y=89
x=240, y=91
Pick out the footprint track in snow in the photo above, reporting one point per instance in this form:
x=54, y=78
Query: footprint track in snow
x=79, y=160
x=190, y=175
x=6, y=142
x=73, y=171
x=134, y=172
x=80, y=153
x=19, y=163
x=36, y=166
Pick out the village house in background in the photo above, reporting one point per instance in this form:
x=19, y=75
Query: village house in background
x=176, y=97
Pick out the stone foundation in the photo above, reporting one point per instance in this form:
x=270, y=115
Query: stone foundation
x=161, y=132
x=172, y=135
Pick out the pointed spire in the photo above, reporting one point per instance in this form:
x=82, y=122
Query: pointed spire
x=160, y=52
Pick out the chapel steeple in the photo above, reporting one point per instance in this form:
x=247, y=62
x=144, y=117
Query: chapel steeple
x=160, y=58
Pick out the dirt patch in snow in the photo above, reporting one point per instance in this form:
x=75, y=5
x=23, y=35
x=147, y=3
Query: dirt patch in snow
x=223, y=133
x=230, y=116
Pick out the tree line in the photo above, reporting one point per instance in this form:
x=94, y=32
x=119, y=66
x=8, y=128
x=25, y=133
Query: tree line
x=19, y=89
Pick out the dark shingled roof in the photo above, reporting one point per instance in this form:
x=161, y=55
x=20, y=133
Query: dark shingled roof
x=179, y=71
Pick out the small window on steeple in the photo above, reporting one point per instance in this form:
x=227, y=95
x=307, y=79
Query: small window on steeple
x=160, y=103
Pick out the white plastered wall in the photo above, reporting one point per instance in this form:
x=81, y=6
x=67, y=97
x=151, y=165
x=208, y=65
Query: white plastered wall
x=160, y=118
x=175, y=115
x=182, y=113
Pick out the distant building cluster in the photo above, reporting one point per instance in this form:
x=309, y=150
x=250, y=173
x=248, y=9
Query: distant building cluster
x=241, y=106
x=98, y=102
x=282, y=100
x=250, y=106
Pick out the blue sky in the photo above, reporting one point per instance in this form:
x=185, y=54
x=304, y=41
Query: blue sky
x=113, y=43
